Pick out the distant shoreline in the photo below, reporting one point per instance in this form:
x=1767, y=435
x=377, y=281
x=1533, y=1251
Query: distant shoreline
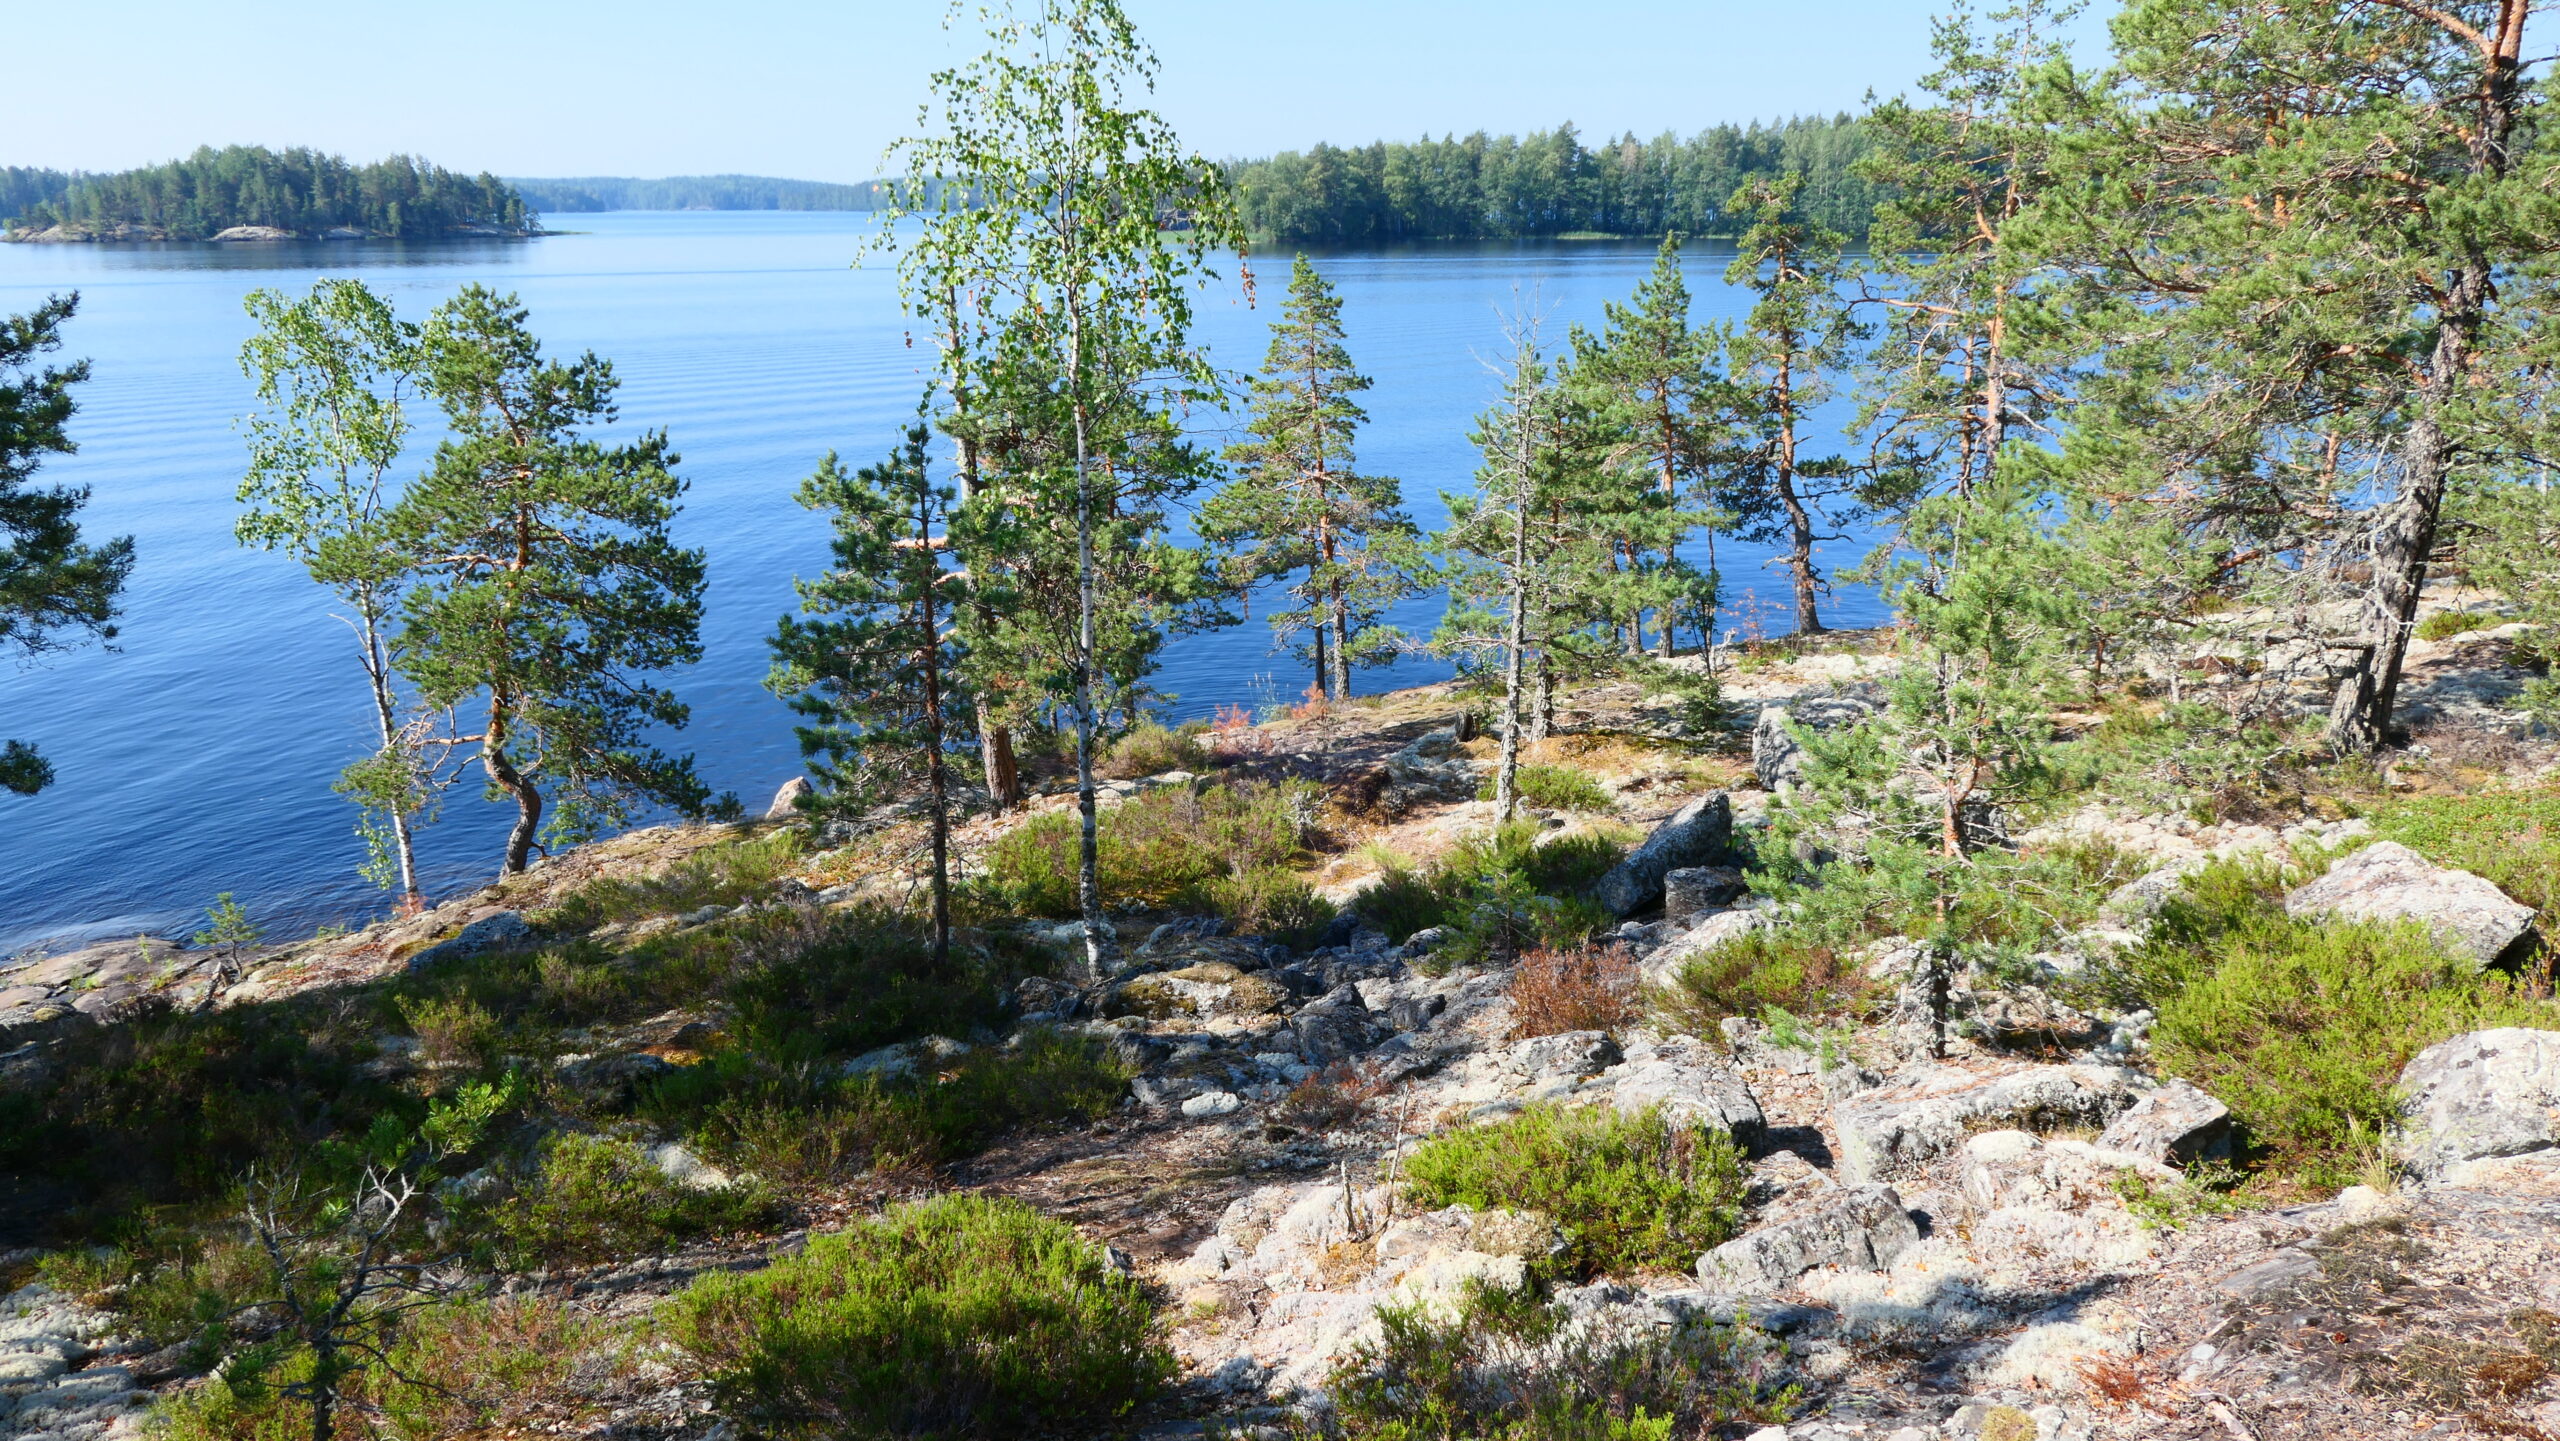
x=128, y=233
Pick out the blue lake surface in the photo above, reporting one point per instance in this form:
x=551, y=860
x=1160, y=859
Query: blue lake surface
x=196, y=757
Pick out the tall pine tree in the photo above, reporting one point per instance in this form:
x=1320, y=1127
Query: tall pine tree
x=1299, y=506
x=873, y=670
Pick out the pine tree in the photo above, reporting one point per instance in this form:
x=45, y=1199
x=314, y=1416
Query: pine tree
x=874, y=673
x=2308, y=241
x=1656, y=394
x=1047, y=199
x=550, y=590
x=335, y=369
x=56, y=589
x=1298, y=504
x=1785, y=358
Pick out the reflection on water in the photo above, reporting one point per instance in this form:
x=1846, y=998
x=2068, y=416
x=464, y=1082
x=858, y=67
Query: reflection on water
x=198, y=759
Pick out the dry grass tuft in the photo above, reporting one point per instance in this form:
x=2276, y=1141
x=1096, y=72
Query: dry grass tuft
x=1590, y=988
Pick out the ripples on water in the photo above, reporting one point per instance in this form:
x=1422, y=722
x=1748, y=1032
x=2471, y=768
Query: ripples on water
x=198, y=757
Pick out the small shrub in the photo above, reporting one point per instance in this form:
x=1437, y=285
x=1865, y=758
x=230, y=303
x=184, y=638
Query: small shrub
x=1628, y=1191
x=1502, y=870
x=1272, y=902
x=186, y=1289
x=1331, y=1098
x=2302, y=1027
x=1505, y=1368
x=594, y=1199
x=1555, y=788
x=1150, y=749
x=1589, y=988
x=1769, y=969
x=1168, y=847
x=958, y=1316
x=453, y=1031
x=2446, y=624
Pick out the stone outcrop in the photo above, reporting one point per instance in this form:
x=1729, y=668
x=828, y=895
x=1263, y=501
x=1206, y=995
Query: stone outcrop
x=1777, y=757
x=1859, y=1228
x=1922, y=1116
x=2387, y=881
x=497, y=931
x=2176, y=1124
x=1694, y=891
x=2485, y=1094
x=1698, y=834
x=1692, y=1084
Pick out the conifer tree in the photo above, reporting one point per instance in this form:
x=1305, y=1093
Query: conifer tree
x=335, y=369
x=56, y=589
x=873, y=672
x=1785, y=359
x=1661, y=410
x=550, y=590
x=1049, y=201
x=1299, y=505
x=2308, y=239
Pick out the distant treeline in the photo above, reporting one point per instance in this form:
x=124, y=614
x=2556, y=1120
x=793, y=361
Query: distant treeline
x=691, y=192
x=299, y=190
x=23, y=188
x=1484, y=187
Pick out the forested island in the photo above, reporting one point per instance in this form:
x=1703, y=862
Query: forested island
x=588, y=194
x=250, y=192
x=1481, y=187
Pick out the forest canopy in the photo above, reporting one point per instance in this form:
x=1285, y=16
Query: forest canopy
x=300, y=190
x=1482, y=187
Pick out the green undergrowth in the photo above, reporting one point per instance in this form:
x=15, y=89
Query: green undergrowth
x=961, y=1316
x=1220, y=849
x=801, y=1122
x=2300, y=1026
x=2512, y=837
x=1555, y=788
x=1149, y=749
x=1500, y=892
x=596, y=1198
x=1629, y=1192
x=1501, y=1366
x=720, y=875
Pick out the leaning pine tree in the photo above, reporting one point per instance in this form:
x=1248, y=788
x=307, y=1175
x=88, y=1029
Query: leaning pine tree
x=549, y=588
x=873, y=669
x=1298, y=508
x=1048, y=201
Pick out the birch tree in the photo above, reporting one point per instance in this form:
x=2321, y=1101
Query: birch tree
x=334, y=371
x=1069, y=217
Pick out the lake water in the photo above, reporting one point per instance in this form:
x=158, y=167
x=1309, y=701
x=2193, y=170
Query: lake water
x=197, y=757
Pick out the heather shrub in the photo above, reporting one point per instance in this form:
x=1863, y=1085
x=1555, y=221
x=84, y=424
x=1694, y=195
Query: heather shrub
x=959, y=1316
x=1628, y=1191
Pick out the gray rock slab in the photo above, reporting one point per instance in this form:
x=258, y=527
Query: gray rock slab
x=2387, y=881
x=1862, y=1228
x=2176, y=1124
x=2487, y=1093
x=1699, y=834
x=1920, y=1116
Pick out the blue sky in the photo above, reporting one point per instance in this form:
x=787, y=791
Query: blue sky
x=815, y=88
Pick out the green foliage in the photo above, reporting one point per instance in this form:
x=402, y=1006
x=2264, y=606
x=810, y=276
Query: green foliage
x=2511, y=837
x=167, y=1287
x=2301, y=1027
x=1500, y=890
x=1781, y=968
x=1628, y=1191
x=2211, y=1189
x=554, y=589
x=2446, y=624
x=298, y=189
x=1149, y=749
x=792, y=1120
x=1555, y=788
x=1504, y=1368
x=55, y=588
x=1298, y=512
x=1170, y=847
x=334, y=371
x=228, y=927
x=958, y=1316
x=592, y=1198
x=1549, y=182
